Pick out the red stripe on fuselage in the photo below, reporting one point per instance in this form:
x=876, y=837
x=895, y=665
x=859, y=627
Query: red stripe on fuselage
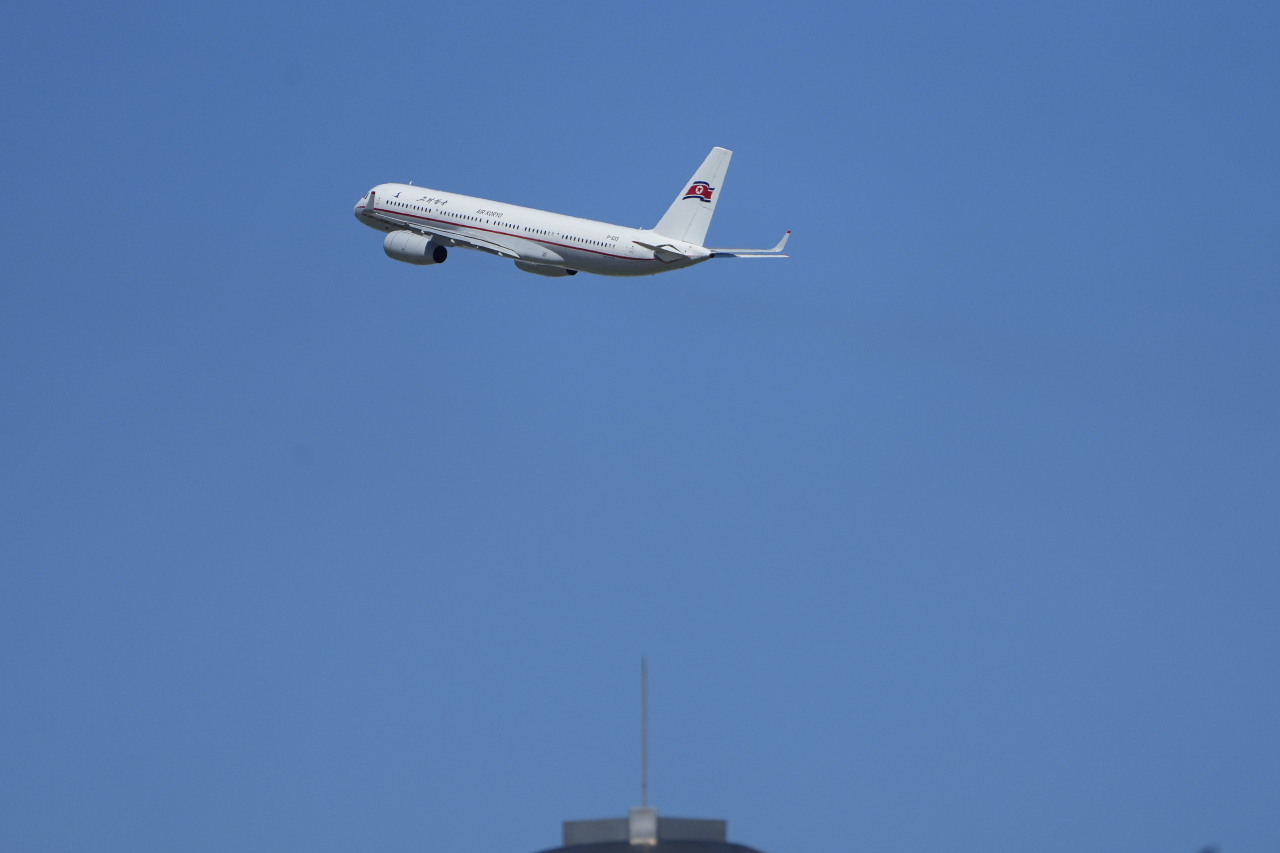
x=521, y=236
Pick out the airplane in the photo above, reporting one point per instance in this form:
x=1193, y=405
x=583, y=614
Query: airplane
x=423, y=224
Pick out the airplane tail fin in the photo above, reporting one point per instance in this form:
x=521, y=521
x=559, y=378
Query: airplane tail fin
x=690, y=216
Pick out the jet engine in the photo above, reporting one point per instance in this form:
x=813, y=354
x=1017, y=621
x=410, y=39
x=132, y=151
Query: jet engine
x=544, y=269
x=413, y=249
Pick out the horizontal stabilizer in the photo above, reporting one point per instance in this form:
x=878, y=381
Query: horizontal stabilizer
x=664, y=252
x=745, y=252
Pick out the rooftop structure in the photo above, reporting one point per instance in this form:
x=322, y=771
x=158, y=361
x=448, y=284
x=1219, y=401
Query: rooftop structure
x=642, y=828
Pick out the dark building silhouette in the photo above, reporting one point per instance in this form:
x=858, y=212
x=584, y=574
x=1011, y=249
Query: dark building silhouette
x=642, y=831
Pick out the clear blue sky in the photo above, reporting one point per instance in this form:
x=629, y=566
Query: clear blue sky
x=956, y=531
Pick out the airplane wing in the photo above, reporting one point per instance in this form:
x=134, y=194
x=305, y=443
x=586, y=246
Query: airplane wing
x=447, y=237
x=465, y=241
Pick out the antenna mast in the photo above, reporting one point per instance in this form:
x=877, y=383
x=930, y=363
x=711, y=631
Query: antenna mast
x=644, y=732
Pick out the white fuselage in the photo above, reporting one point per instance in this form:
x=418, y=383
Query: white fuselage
x=535, y=236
